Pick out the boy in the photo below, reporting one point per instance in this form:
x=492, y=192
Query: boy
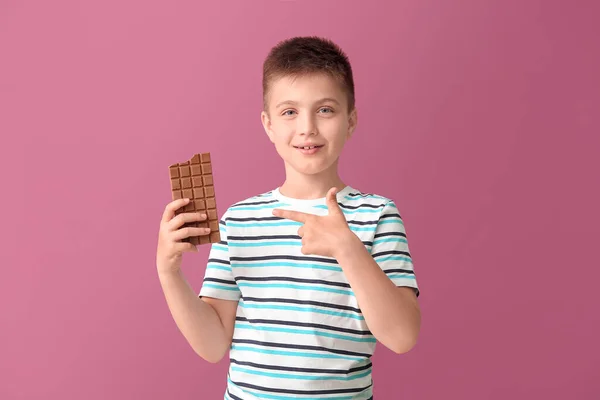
x=308, y=276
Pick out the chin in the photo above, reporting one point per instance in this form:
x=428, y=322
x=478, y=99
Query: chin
x=310, y=169
x=307, y=171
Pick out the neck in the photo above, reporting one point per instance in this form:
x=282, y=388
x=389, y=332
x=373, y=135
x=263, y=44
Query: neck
x=308, y=187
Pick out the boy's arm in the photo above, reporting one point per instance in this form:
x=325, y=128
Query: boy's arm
x=384, y=282
x=206, y=323
x=391, y=312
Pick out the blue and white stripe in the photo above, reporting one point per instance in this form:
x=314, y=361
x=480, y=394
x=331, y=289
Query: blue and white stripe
x=299, y=332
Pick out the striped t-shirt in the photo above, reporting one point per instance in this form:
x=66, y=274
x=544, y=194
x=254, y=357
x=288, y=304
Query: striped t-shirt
x=299, y=332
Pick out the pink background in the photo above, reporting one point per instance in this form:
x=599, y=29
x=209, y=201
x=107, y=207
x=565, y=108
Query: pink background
x=480, y=118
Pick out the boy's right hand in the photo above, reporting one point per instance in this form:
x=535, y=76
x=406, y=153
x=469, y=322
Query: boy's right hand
x=170, y=247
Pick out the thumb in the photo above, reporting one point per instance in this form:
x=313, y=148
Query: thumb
x=332, y=204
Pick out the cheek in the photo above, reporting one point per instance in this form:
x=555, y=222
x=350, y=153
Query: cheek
x=337, y=141
x=282, y=134
x=277, y=126
x=334, y=130
x=281, y=140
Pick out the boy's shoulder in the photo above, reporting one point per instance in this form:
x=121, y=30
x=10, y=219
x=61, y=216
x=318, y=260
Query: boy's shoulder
x=353, y=195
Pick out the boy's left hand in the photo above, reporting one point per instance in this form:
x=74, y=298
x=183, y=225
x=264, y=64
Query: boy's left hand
x=322, y=235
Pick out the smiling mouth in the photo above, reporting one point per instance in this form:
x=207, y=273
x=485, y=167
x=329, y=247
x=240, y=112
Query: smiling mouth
x=307, y=147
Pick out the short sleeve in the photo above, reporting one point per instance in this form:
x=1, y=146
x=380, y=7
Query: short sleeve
x=390, y=248
x=218, y=279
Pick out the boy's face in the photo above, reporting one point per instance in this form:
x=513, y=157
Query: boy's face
x=310, y=110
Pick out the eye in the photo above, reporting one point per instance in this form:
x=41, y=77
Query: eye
x=286, y=112
x=329, y=110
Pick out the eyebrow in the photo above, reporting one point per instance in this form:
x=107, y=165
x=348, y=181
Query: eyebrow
x=293, y=103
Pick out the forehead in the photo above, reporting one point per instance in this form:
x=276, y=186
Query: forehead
x=305, y=89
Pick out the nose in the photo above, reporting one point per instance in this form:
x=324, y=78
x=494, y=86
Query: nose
x=306, y=124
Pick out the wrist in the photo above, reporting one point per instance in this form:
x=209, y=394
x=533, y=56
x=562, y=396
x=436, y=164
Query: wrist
x=168, y=273
x=347, y=246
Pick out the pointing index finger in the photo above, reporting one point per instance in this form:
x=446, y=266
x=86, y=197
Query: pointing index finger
x=292, y=215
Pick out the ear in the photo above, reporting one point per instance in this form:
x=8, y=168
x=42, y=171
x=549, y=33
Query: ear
x=266, y=122
x=352, y=122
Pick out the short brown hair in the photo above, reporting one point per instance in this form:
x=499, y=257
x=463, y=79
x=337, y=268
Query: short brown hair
x=300, y=56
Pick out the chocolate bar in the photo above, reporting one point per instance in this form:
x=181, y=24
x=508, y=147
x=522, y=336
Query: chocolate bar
x=193, y=179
